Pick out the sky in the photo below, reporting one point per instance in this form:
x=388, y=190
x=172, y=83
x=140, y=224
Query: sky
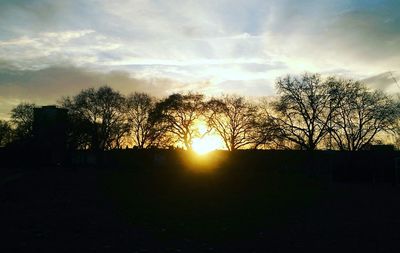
x=50, y=49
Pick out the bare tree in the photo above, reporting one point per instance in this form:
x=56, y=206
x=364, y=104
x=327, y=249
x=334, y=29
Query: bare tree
x=233, y=118
x=102, y=113
x=305, y=107
x=362, y=114
x=145, y=129
x=179, y=113
x=22, y=120
x=266, y=132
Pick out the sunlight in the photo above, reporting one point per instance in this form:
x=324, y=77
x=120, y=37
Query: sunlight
x=202, y=128
x=207, y=144
x=207, y=141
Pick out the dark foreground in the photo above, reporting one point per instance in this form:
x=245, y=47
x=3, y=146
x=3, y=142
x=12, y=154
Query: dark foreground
x=64, y=210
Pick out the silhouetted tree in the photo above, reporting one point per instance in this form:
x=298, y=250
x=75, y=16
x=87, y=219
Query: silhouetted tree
x=22, y=120
x=179, y=114
x=144, y=130
x=304, y=108
x=5, y=133
x=233, y=118
x=79, y=133
x=362, y=114
x=101, y=116
x=266, y=132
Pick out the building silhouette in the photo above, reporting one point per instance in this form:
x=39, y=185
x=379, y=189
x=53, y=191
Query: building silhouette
x=50, y=133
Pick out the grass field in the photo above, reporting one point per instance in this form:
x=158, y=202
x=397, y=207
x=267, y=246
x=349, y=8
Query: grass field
x=193, y=204
x=207, y=198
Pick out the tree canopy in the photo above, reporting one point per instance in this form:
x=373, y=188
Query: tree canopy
x=22, y=120
x=102, y=111
x=233, y=119
x=179, y=113
x=309, y=112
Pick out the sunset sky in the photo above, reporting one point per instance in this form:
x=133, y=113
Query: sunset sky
x=49, y=48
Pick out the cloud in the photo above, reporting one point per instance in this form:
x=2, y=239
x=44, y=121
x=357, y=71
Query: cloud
x=361, y=38
x=52, y=48
x=31, y=16
x=320, y=36
x=387, y=81
x=252, y=88
x=46, y=86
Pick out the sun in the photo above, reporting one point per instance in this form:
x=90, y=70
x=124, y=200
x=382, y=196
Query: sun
x=209, y=140
x=206, y=144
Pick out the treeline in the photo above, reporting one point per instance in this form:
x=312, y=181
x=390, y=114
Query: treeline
x=308, y=113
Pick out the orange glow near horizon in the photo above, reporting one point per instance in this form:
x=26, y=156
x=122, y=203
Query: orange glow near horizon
x=207, y=144
x=208, y=141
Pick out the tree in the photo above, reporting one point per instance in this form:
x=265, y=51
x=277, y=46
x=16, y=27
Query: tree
x=266, y=132
x=79, y=131
x=233, y=119
x=362, y=114
x=100, y=115
x=145, y=130
x=5, y=133
x=304, y=108
x=22, y=120
x=179, y=114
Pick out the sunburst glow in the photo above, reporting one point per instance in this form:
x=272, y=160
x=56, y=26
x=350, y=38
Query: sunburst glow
x=206, y=144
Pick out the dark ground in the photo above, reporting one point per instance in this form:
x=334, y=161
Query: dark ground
x=62, y=210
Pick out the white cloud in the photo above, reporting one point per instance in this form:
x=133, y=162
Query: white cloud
x=44, y=49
